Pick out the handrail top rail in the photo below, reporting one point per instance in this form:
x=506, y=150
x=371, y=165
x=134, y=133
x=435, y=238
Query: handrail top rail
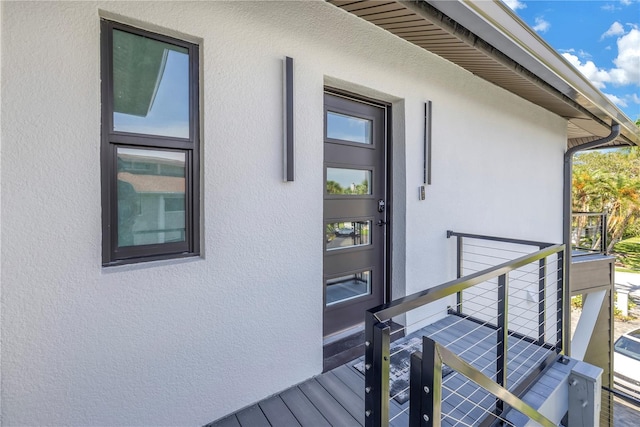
x=400, y=306
x=458, y=364
x=451, y=233
x=589, y=213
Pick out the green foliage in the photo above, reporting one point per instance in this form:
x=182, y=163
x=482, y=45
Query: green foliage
x=628, y=253
x=576, y=301
x=609, y=181
x=631, y=231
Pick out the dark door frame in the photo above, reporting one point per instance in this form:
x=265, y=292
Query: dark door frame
x=388, y=152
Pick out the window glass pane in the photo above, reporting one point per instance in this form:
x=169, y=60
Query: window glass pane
x=348, y=181
x=348, y=287
x=150, y=86
x=341, y=235
x=151, y=197
x=348, y=128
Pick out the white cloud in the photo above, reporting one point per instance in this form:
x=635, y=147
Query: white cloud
x=615, y=29
x=616, y=100
x=542, y=26
x=609, y=7
x=595, y=75
x=627, y=64
x=628, y=60
x=626, y=2
x=515, y=4
x=584, y=54
x=634, y=98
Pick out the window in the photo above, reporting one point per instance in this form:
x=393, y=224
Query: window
x=150, y=146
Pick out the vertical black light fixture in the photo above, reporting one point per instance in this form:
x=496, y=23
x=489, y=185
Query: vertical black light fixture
x=426, y=166
x=427, y=143
x=288, y=120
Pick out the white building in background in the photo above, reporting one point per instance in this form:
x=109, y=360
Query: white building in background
x=225, y=303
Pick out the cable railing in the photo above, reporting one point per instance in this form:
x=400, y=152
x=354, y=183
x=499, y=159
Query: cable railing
x=426, y=403
x=588, y=233
x=618, y=408
x=495, y=329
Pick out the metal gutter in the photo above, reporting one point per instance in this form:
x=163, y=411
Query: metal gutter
x=495, y=23
x=566, y=225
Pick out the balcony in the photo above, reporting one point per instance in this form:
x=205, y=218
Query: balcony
x=484, y=348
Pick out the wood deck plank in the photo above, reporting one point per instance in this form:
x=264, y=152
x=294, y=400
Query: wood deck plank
x=338, y=397
x=230, y=421
x=277, y=413
x=331, y=409
x=353, y=403
x=353, y=379
x=302, y=408
x=252, y=417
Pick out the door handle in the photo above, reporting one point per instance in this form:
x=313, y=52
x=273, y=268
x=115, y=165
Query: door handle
x=381, y=223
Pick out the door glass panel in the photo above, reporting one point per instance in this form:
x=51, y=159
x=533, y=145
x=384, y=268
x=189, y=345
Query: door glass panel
x=341, y=235
x=348, y=181
x=151, y=197
x=150, y=86
x=348, y=287
x=348, y=128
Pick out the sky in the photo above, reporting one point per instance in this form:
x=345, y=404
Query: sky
x=600, y=38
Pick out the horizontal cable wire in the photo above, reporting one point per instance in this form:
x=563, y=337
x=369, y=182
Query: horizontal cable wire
x=474, y=404
x=470, y=257
x=467, y=397
x=422, y=320
x=491, y=286
x=498, y=249
x=538, y=269
x=398, y=414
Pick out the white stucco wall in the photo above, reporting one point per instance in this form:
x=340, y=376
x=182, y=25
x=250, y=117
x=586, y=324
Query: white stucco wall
x=186, y=342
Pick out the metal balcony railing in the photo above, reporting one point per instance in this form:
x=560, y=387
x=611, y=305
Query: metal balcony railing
x=618, y=408
x=511, y=290
x=588, y=233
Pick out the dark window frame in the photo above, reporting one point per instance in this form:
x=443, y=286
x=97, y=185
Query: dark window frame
x=112, y=254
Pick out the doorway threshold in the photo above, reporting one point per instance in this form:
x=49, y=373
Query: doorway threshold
x=348, y=345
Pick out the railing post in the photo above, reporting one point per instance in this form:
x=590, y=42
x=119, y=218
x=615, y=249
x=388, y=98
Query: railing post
x=426, y=386
x=415, y=390
x=459, y=272
x=542, y=300
x=376, y=373
x=502, y=335
x=603, y=233
x=564, y=297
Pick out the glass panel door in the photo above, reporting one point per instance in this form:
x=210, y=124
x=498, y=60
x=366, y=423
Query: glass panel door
x=354, y=214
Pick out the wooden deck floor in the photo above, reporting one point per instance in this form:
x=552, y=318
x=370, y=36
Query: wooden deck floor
x=336, y=398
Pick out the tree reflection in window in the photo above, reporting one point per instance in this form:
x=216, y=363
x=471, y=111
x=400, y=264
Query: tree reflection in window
x=358, y=189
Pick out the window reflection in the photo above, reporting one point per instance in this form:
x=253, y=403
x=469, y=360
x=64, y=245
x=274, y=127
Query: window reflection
x=348, y=128
x=151, y=197
x=150, y=86
x=346, y=288
x=348, y=181
x=341, y=235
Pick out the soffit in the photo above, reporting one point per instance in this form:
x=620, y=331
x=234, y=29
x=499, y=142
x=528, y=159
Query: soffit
x=449, y=40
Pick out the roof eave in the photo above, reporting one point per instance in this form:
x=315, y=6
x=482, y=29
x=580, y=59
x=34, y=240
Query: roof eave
x=499, y=26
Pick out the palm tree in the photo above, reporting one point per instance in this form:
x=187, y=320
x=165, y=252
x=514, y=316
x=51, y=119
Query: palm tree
x=334, y=188
x=624, y=209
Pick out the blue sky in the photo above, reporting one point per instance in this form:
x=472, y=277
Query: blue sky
x=601, y=38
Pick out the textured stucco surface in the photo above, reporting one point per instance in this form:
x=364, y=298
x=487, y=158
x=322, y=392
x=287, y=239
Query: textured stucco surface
x=186, y=342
